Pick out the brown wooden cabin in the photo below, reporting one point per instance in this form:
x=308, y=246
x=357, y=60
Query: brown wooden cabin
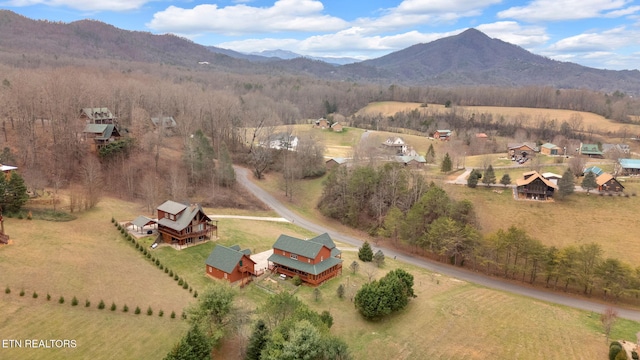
x=100, y=135
x=606, y=182
x=535, y=187
x=314, y=261
x=180, y=224
x=231, y=264
x=97, y=116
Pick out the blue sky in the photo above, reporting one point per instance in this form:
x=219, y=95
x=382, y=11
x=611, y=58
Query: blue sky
x=597, y=33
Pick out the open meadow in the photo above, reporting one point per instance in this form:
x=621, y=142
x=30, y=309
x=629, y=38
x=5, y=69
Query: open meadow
x=88, y=258
x=528, y=116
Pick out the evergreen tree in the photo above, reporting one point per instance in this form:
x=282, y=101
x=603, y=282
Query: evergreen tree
x=199, y=158
x=13, y=192
x=589, y=182
x=505, y=180
x=257, y=341
x=431, y=155
x=447, y=164
x=489, y=176
x=378, y=258
x=193, y=346
x=566, y=185
x=226, y=174
x=365, y=253
x=472, y=180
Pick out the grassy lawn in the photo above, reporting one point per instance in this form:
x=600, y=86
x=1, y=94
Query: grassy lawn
x=454, y=319
x=528, y=116
x=86, y=258
x=579, y=219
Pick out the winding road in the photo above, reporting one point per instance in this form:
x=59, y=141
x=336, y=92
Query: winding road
x=243, y=178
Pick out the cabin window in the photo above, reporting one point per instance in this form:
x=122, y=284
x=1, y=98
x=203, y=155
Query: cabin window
x=321, y=258
x=172, y=217
x=166, y=215
x=200, y=227
x=225, y=275
x=294, y=256
x=283, y=253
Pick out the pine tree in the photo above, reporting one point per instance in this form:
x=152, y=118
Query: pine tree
x=489, y=176
x=589, y=181
x=378, y=258
x=365, y=253
x=472, y=180
x=226, y=174
x=566, y=185
x=447, y=164
x=505, y=180
x=431, y=155
x=257, y=341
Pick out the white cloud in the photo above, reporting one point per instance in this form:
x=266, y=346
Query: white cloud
x=283, y=16
x=556, y=10
x=593, y=42
x=83, y=5
x=514, y=33
x=420, y=12
x=350, y=42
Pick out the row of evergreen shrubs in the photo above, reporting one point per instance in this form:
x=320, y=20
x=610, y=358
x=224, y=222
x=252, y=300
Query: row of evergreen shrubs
x=101, y=304
x=140, y=247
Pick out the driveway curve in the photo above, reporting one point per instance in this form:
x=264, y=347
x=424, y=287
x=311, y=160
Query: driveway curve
x=455, y=272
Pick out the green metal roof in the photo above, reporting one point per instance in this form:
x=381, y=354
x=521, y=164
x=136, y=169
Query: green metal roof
x=309, y=249
x=224, y=258
x=590, y=149
x=314, y=269
x=326, y=240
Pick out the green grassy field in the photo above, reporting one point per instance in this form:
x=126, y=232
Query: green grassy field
x=448, y=319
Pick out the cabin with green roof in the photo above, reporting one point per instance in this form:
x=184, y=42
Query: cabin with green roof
x=591, y=150
x=231, y=264
x=315, y=260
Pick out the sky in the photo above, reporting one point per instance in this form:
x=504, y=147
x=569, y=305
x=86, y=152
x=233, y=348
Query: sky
x=603, y=34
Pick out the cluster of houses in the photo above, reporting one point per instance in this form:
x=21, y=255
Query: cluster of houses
x=314, y=260
x=101, y=126
x=535, y=186
x=181, y=225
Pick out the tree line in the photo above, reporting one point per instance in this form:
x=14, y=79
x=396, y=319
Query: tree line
x=431, y=222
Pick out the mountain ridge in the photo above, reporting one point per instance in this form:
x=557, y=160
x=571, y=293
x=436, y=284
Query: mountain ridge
x=470, y=58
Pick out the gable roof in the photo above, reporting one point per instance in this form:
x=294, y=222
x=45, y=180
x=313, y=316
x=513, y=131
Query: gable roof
x=166, y=121
x=103, y=131
x=532, y=177
x=629, y=163
x=306, y=248
x=314, y=269
x=338, y=160
x=101, y=113
x=407, y=159
x=594, y=169
x=225, y=259
x=142, y=221
x=394, y=141
x=444, y=132
x=326, y=240
x=184, y=219
x=590, y=149
x=5, y=168
x=549, y=146
x=550, y=175
x=172, y=207
x=605, y=178
x=512, y=146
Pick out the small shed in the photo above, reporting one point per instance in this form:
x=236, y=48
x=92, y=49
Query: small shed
x=336, y=126
x=443, y=135
x=550, y=149
x=335, y=162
